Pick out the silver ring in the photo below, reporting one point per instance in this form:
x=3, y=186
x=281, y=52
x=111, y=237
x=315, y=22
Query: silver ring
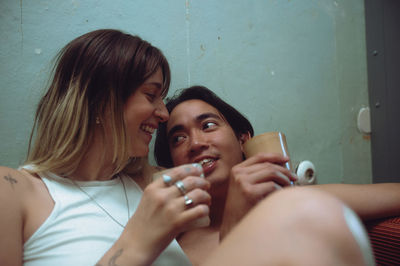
x=167, y=180
x=181, y=187
x=188, y=201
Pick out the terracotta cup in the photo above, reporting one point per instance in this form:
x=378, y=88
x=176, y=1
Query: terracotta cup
x=274, y=142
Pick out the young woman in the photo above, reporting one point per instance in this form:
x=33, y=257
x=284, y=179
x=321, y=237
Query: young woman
x=74, y=202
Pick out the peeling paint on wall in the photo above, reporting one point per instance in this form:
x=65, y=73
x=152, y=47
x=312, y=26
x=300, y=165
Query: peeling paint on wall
x=21, y=28
x=188, y=56
x=297, y=66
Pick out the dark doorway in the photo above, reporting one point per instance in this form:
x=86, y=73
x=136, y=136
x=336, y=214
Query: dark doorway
x=383, y=58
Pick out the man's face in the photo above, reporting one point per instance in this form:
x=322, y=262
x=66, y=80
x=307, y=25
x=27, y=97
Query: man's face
x=198, y=133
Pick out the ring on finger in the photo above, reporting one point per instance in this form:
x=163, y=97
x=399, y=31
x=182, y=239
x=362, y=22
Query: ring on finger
x=188, y=201
x=167, y=180
x=181, y=187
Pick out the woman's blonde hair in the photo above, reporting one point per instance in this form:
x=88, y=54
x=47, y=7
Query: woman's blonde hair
x=93, y=77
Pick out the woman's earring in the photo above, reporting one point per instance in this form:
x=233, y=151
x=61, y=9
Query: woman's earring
x=97, y=120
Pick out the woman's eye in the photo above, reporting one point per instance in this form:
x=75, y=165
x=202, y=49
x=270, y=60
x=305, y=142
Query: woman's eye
x=151, y=96
x=209, y=125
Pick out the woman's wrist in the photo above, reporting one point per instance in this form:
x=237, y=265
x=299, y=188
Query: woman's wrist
x=126, y=251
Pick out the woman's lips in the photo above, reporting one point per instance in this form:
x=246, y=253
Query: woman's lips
x=147, y=128
x=148, y=131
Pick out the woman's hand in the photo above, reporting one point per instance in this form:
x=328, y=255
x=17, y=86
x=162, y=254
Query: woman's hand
x=251, y=181
x=165, y=211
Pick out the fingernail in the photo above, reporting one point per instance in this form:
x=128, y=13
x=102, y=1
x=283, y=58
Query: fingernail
x=198, y=166
x=295, y=176
x=282, y=176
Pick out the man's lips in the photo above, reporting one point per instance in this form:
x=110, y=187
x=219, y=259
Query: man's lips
x=208, y=164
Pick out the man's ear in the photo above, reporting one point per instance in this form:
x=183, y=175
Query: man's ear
x=243, y=138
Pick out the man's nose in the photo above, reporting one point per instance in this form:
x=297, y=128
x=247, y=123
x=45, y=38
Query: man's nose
x=198, y=141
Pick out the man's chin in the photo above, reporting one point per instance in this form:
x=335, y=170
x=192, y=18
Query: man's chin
x=217, y=180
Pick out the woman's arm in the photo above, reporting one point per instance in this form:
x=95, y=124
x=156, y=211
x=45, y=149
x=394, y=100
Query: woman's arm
x=11, y=213
x=160, y=217
x=369, y=201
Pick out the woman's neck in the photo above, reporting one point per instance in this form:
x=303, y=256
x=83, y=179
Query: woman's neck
x=96, y=164
x=88, y=171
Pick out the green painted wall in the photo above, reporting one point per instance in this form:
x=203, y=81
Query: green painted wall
x=294, y=66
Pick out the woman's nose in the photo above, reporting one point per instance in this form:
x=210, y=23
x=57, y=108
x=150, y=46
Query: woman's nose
x=161, y=112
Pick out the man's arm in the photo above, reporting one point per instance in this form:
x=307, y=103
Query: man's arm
x=369, y=201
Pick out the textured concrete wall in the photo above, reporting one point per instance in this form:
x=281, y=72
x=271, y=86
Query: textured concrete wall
x=294, y=66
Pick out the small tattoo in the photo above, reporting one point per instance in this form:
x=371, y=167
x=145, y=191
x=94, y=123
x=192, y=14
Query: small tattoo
x=114, y=258
x=11, y=180
x=158, y=168
x=187, y=169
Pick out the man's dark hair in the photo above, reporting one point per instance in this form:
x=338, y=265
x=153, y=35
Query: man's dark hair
x=236, y=120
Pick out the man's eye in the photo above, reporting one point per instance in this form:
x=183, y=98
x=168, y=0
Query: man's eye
x=208, y=125
x=176, y=139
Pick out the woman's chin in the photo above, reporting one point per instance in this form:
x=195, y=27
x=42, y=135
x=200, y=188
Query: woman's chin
x=140, y=152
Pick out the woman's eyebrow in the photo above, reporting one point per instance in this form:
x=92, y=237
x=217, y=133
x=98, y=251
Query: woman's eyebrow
x=158, y=85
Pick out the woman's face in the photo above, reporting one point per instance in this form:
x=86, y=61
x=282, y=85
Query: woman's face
x=143, y=111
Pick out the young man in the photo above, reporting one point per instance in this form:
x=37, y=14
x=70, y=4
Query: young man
x=204, y=129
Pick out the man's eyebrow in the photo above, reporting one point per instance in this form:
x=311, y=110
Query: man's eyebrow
x=198, y=119
x=207, y=115
x=173, y=130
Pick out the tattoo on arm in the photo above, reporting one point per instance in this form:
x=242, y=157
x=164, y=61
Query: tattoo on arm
x=111, y=262
x=158, y=168
x=113, y=259
x=10, y=179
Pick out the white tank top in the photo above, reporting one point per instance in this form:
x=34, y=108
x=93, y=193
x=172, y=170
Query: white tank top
x=78, y=232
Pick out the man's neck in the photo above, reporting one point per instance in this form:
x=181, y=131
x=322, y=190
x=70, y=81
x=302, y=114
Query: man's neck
x=218, y=198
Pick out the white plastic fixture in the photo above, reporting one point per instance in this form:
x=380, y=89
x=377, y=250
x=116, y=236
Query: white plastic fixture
x=364, y=121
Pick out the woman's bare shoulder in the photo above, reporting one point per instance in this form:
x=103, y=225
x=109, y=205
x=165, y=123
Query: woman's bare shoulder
x=16, y=180
x=14, y=195
x=18, y=186
x=12, y=189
